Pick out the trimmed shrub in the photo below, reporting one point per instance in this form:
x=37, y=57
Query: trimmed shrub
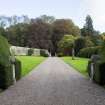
x=6, y=76
x=60, y=54
x=89, y=68
x=4, y=52
x=5, y=65
x=43, y=53
x=99, y=72
x=18, y=69
x=102, y=73
x=30, y=51
x=89, y=51
x=94, y=59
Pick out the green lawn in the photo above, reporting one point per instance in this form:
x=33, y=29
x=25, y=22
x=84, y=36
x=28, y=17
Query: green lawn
x=80, y=64
x=29, y=62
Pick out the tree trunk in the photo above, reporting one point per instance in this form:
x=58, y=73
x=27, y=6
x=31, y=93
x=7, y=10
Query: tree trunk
x=73, y=54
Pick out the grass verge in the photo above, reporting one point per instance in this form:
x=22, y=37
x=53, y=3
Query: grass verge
x=29, y=63
x=80, y=64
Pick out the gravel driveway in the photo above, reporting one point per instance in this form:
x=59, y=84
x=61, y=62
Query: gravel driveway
x=53, y=83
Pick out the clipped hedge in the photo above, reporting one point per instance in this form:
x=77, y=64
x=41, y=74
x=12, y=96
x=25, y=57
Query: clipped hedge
x=5, y=76
x=43, y=53
x=18, y=69
x=4, y=52
x=30, y=51
x=99, y=72
x=60, y=54
x=89, y=51
x=5, y=65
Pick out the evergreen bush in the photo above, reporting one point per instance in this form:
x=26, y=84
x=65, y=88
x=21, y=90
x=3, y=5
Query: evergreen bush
x=18, y=69
x=30, y=51
x=43, y=53
x=99, y=72
x=5, y=65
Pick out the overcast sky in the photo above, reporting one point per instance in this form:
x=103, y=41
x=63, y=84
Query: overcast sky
x=74, y=9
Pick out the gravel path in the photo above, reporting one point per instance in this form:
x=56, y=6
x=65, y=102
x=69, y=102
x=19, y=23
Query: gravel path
x=53, y=83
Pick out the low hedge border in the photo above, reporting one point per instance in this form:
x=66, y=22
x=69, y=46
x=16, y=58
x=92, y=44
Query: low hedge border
x=99, y=72
x=18, y=69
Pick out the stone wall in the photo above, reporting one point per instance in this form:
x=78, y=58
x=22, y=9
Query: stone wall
x=24, y=51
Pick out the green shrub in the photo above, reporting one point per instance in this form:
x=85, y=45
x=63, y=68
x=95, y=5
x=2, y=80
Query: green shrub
x=82, y=42
x=43, y=53
x=79, y=44
x=30, y=51
x=102, y=51
x=89, y=68
x=66, y=44
x=6, y=75
x=4, y=52
x=102, y=73
x=88, y=42
x=5, y=65
x=99, y=72
x=60, y=54
x=18, y=69
x=89, y=51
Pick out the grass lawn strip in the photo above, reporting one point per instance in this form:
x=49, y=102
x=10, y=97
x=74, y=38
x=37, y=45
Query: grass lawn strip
x=80, y=64
x=29, y=63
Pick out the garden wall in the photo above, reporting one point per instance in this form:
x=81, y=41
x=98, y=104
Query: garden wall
x=24, y=51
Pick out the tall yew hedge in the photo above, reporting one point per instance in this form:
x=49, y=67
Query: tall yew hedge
x=5, y=64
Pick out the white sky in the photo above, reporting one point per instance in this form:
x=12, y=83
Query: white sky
x=97, y=11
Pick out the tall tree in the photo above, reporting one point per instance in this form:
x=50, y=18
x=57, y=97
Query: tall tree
x=62, y=27
x=39, y=34
x=66, y=45
x=3, y=32
x=47, y=19
x=17, y=34
x=88, y=29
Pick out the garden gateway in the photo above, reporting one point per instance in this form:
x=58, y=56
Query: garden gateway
x=51, y=61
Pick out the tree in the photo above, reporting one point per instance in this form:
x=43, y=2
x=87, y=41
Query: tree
x=66, y=44
x=89, y=26
x=47, y=19
x=102, y=51
x=79, y=44
x=25, y=19
x=89, y=42
x=17, y=34
x=88, y=29
x=2, y=21
x=39, y=34
x=43, y=32
x=60, y=28
x=82, y=42
x=3, y=32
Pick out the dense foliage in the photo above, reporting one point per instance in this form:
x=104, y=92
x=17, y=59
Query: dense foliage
x=30, y=51
x=6, y=72
x=18, y=69
x=79, y=44
x=99, y=72
x=43, y=53
x=5, y=64
x=66, y=44
x=43, y=32
x=4, y=51
x=89, y=51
